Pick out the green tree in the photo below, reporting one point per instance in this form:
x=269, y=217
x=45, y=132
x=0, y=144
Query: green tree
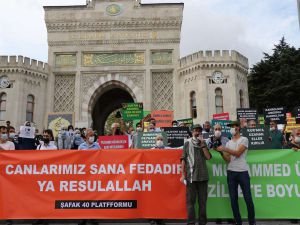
x=275, y=80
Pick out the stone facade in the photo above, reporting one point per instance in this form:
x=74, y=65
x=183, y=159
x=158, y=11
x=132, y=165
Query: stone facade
x=123, y=45
x=208, y=74
x=27, y=78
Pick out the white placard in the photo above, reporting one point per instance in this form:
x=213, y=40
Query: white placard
x=27, y=132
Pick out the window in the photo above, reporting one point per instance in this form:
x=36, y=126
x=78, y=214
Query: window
x=219, y=100
x=193, y=105
x=29, y=108
x=242, y=99
x=3, y=98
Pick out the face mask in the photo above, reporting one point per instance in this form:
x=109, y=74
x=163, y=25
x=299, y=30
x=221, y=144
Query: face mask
x=233, y=131
x=174, y=125
x=91, y=139
x=159, y=143
x=218, y=133
x=46, y=140
x=272, y=128
x=12, y=135
x=71, y=131
x=4, y=136
x=297, y=140
x=77, y=135
x=139, y=129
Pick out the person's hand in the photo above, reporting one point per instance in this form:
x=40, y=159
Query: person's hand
x=220, y=148
x=200, y=137
x=182, y=179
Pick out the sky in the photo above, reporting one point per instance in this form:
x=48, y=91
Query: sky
x=248, y=26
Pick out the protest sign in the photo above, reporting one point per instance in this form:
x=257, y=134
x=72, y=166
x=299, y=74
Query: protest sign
x=221, y=116
x=296, y=113
x=163, y=118
x=223, y=124
x=132, y=111
x=130, y=184
x=291, y=124
x=258, y=137
x=261, y=120
x=248, y=114
x=114, y=142
x=188, y=122
x=176, y=135
x=277, y=114
x=27, y=132
x=106, y=184
x=146, y=140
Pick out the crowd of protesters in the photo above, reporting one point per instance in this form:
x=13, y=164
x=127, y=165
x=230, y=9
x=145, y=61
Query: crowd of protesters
x=195, y=153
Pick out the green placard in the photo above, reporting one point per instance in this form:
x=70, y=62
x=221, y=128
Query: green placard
x=223, y=124
x=146, y=140
x=188, y=122
x=132, y=111
x=261, y=120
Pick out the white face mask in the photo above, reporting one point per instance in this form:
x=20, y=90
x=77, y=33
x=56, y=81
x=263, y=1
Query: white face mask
x=297, y=140
x=233, y=131
x=91, y=139
x=272, y=128
x=174, y=125
x=218, y=133
x=139, y=129
x=159, y=143
x=12, y=135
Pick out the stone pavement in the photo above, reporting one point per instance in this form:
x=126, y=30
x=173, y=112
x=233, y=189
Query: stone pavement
x=144, y=222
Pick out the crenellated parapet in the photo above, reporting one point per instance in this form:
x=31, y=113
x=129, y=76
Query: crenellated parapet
x=213, y=59
x=9, y=64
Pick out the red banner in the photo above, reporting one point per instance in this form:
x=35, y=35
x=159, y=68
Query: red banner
x=114, y=142
x=101, y=184
x=221, y=116
x=163, y=118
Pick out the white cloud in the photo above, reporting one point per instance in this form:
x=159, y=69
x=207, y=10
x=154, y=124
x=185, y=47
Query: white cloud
x=249, y=26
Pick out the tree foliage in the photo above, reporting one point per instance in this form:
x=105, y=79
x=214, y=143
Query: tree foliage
x=275, y=80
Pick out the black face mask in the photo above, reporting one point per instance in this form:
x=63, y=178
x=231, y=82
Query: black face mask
x=118, y=131
x=46, y=140
x=207, y=130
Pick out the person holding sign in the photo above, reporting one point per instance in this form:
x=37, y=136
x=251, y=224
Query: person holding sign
x=195, y=174
x=276, y=136
x=235, y=154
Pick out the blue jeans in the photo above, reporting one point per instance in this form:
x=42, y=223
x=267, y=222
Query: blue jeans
x=235, y=179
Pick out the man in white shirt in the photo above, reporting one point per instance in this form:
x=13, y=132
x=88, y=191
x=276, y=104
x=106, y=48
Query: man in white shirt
x=235, y=154
x=47, y=143
x=5, y=144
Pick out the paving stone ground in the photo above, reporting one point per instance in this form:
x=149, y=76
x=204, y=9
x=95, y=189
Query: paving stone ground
x=73, y=222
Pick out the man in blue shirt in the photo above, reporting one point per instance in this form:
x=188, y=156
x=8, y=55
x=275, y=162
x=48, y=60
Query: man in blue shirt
x=90, y=143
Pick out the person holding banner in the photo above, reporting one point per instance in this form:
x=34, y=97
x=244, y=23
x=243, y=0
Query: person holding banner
x=235, y=154
x=195, y=175
x=90, y=143
x=5, y=144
